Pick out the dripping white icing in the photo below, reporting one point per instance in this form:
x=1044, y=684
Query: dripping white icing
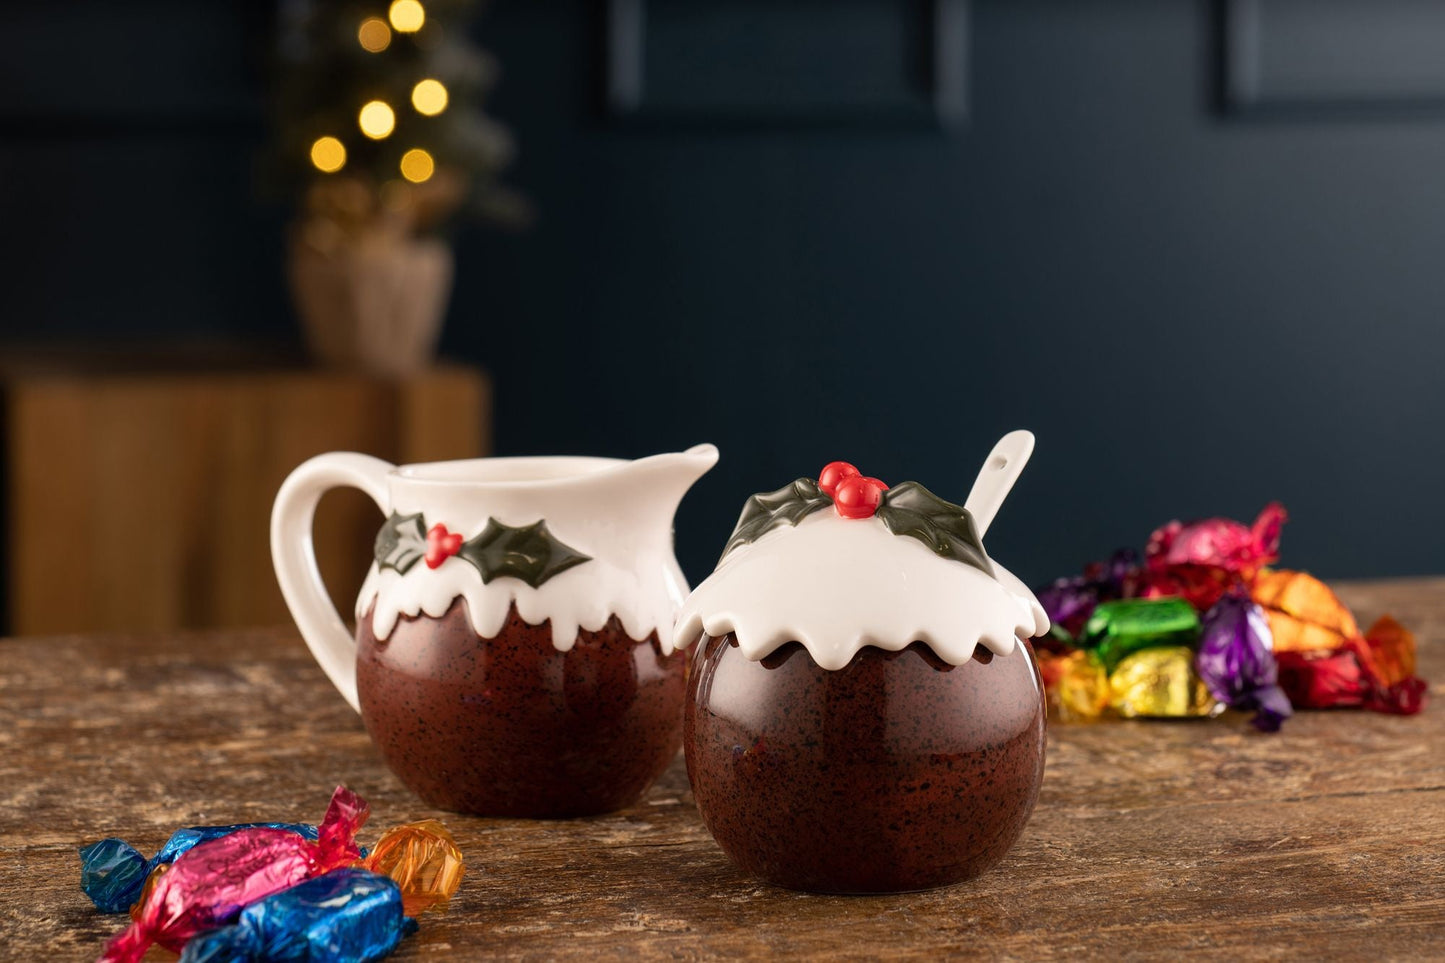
x=619, y=513
x=581, y=598
x=836, y=585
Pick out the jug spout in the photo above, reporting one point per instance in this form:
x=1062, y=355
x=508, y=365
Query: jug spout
x=666, y=478
x=647, y=491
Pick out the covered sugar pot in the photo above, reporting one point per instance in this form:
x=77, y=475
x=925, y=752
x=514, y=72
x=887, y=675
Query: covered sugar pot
x=864, y=713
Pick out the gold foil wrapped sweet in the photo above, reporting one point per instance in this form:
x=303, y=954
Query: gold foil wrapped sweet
x=1083, y=687
x=1160, y=683
x=424, y=861
x=1304, y=615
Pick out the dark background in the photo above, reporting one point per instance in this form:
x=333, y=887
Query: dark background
x=1198, y=248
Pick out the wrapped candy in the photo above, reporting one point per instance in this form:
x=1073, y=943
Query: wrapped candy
x=424, y=861
x=112, y=872
x=1304, y=614
x=1160, y=683
x=1404, y=698
x=1117, y=629
x=1199, y=585
x=152, y=881
x=1051, y=668
x=1320, y=679
x=1070, y=601
x=1075, y=685
x=1081, y=690
x=1392, y=651
x=207, y=886
x=1236, y=662
x=1388, y=658
x=1219, y=542
x=1200, y=561
x=344, y=916
x=1271, y=640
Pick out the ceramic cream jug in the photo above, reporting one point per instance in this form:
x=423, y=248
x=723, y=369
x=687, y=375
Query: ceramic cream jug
x=513, y=652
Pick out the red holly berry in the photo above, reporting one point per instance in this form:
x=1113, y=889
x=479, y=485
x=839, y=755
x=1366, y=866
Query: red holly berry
x=857, y=497
x=441, y=545
x=833, y=473
x=877, y=483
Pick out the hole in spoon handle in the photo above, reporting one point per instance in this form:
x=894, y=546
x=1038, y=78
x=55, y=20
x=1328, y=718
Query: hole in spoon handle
x=996, y=479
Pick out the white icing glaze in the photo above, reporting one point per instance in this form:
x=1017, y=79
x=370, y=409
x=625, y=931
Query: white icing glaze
x=836, y=584
x=581, y=598
x=617, y=512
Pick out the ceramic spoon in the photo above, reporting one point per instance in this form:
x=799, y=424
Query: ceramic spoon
x=996, y=479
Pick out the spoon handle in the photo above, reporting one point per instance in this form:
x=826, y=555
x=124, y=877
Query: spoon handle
x=997, y=477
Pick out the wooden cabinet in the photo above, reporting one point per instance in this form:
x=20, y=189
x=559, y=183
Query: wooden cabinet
x=142, y=501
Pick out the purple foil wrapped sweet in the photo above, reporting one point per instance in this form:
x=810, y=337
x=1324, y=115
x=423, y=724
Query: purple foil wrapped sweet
x=1070, y=601
x=1236, y=661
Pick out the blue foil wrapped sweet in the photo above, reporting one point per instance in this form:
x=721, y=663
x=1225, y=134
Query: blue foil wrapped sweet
x=113, y=872
x=345, y=916
x=1236, y=661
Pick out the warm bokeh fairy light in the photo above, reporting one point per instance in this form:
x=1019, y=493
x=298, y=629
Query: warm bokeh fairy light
x=429, y=97
x=407, y=16
x=374, y=35
x=377, y=119
x=417, y=165
x=328, y=154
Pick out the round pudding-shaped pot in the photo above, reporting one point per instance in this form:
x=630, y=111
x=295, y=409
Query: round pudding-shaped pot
x=897, y=772
x=510, y=726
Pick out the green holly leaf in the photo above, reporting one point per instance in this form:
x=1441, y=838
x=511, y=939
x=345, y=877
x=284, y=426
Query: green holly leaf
x=530, y=553
x=766, y=511
x=401, y=543
x=947, y=529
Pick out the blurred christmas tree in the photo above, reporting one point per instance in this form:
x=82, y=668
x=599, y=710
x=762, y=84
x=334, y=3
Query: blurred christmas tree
x=381, y=136
x=389, y=97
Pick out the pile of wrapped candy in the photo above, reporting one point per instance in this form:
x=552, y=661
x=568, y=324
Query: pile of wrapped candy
x=1204, y=623
x=274, y=891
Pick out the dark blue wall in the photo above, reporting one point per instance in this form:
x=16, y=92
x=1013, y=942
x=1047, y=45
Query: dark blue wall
x=1202, y=287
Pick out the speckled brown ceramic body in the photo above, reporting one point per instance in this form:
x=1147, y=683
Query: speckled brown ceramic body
x=510, y=726
x=898, y=772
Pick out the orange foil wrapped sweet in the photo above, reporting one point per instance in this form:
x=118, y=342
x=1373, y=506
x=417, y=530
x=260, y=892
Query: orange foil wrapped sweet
x=1391, y=651
x=1304, y=615
x=1076, y=685
x=1324, y=661
x=424, y=861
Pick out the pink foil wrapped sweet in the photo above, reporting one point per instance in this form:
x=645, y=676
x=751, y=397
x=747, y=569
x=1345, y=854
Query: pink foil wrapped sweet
x=1203, y=560
x=209, y=885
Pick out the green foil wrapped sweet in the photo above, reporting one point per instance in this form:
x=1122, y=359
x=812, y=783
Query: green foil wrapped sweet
x=1119, y=629
x=1160, y=683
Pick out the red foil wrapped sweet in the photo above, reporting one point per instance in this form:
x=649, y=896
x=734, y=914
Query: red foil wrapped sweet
x=1323, y=679
x=209, y=885
x=1360, y=673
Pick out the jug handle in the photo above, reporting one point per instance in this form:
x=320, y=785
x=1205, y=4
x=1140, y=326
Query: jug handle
x=293, y=555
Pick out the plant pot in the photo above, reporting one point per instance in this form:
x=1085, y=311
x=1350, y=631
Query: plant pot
x=372, y=301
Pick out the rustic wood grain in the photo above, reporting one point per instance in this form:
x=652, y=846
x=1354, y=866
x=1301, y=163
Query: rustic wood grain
x=141, y=501
x=1150, y=841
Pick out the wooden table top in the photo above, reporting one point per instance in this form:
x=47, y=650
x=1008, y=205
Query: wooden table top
x=1151, y=839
